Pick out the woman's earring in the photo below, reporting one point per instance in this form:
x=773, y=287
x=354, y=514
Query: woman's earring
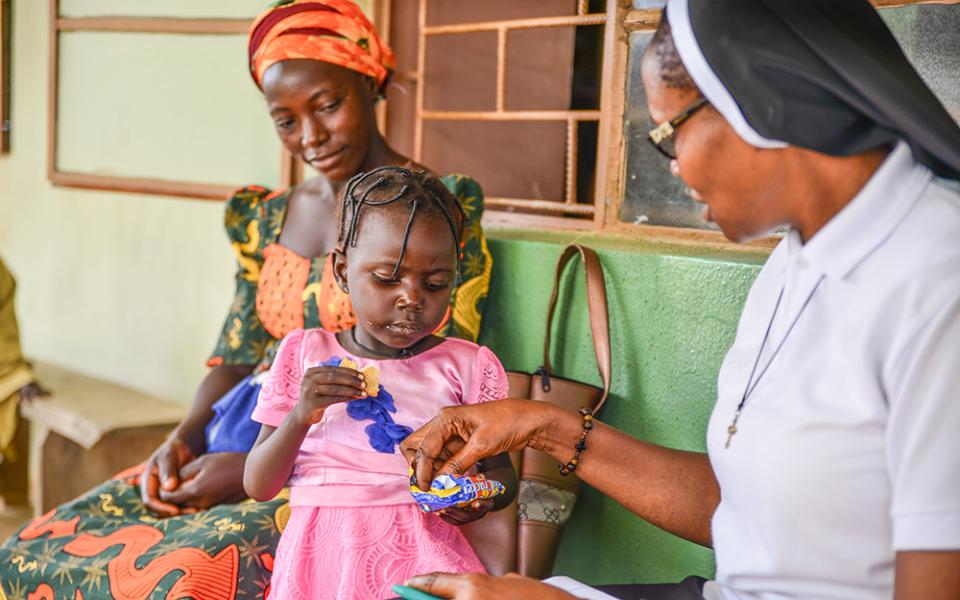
x=344, y=288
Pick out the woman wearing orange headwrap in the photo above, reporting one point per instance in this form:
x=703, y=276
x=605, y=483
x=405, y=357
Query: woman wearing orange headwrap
x=335, y=31
x=321, y=67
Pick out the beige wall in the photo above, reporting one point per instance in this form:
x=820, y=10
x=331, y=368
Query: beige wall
x=131, y=288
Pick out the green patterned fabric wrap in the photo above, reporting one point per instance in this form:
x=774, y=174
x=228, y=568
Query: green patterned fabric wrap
x=105, y=544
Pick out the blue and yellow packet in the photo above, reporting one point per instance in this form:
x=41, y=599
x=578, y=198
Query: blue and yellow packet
x=448, y=491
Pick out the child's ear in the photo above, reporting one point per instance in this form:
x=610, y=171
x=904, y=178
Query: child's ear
x=340, y=269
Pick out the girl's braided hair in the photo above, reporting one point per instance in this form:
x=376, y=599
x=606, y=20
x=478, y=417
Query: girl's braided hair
x=395, y=186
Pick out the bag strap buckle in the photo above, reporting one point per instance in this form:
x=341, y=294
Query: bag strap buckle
x=544, y=378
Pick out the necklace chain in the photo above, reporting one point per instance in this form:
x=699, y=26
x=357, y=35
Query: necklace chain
x=751, y=383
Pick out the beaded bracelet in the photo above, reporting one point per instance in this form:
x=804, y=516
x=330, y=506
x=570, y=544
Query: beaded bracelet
x=571, y=466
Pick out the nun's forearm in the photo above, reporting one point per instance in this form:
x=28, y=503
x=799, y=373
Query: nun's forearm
x=675, y=490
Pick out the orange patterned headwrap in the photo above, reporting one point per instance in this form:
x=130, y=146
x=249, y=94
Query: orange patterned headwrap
x=333, y=31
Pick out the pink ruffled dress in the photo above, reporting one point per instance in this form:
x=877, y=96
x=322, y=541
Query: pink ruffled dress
x=354, y=529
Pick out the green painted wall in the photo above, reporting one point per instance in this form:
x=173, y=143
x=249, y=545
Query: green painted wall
x=673, y=314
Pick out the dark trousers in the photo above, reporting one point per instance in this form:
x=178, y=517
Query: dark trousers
x=690, y=588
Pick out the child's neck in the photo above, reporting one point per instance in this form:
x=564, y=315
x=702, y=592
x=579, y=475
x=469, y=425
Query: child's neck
x=350, y=342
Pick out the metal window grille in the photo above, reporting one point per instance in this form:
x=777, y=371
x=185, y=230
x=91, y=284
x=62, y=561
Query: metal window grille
x=569, y=206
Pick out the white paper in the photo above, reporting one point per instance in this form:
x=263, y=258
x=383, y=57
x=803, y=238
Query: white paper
x=580, y=590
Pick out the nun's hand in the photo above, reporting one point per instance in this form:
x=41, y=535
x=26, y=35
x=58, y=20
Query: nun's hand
x=476, y=586
x=460, y=436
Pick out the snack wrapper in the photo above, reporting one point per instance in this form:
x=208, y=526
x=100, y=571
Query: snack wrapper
x=371, y=375
x=448, y=491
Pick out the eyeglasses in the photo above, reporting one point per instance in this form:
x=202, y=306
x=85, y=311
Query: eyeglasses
x=661, y=136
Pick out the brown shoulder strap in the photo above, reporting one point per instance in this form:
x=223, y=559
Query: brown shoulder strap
x=596, y=307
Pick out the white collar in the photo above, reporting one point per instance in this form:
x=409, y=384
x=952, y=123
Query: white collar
x=867, y=220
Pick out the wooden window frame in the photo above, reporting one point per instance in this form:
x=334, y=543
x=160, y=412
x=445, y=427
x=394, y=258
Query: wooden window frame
x=620, y=21
x=6, y=26
x=290, y=172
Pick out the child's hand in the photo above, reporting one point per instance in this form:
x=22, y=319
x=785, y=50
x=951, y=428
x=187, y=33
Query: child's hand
x=466, y=514
x=323, y=386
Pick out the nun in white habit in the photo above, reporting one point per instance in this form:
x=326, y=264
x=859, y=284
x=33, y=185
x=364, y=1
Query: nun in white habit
x=833, y=452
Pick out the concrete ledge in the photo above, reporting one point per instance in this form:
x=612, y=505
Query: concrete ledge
x=83, y=409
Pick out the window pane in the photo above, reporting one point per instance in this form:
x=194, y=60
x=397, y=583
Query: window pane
x=930, y=37
x=461, y=71
x=651, y=194
x=539, y=68
x=513, y=159
x=106, y=128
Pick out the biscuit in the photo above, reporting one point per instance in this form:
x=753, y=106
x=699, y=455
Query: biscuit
x=371, y=375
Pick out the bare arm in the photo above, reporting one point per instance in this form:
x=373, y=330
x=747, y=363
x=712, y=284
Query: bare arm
x=271, y=461
x=673, y=489
x=218, y=382
x=927, y=575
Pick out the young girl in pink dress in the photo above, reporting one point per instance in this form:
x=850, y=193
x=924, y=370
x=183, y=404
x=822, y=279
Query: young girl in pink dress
x=330, y=430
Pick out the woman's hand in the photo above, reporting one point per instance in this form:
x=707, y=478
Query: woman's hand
x=162, y=471
x=460, y=436
x=175, y=481
x=207, y=481
x=483, y=587
x=466, y=514
x=323, y=386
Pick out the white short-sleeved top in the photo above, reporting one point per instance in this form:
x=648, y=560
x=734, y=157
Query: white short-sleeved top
x=848, y=449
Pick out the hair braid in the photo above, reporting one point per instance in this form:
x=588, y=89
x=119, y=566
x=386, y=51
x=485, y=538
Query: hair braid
x=386, y=186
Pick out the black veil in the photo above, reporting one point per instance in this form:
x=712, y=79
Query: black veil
x=826, y=75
